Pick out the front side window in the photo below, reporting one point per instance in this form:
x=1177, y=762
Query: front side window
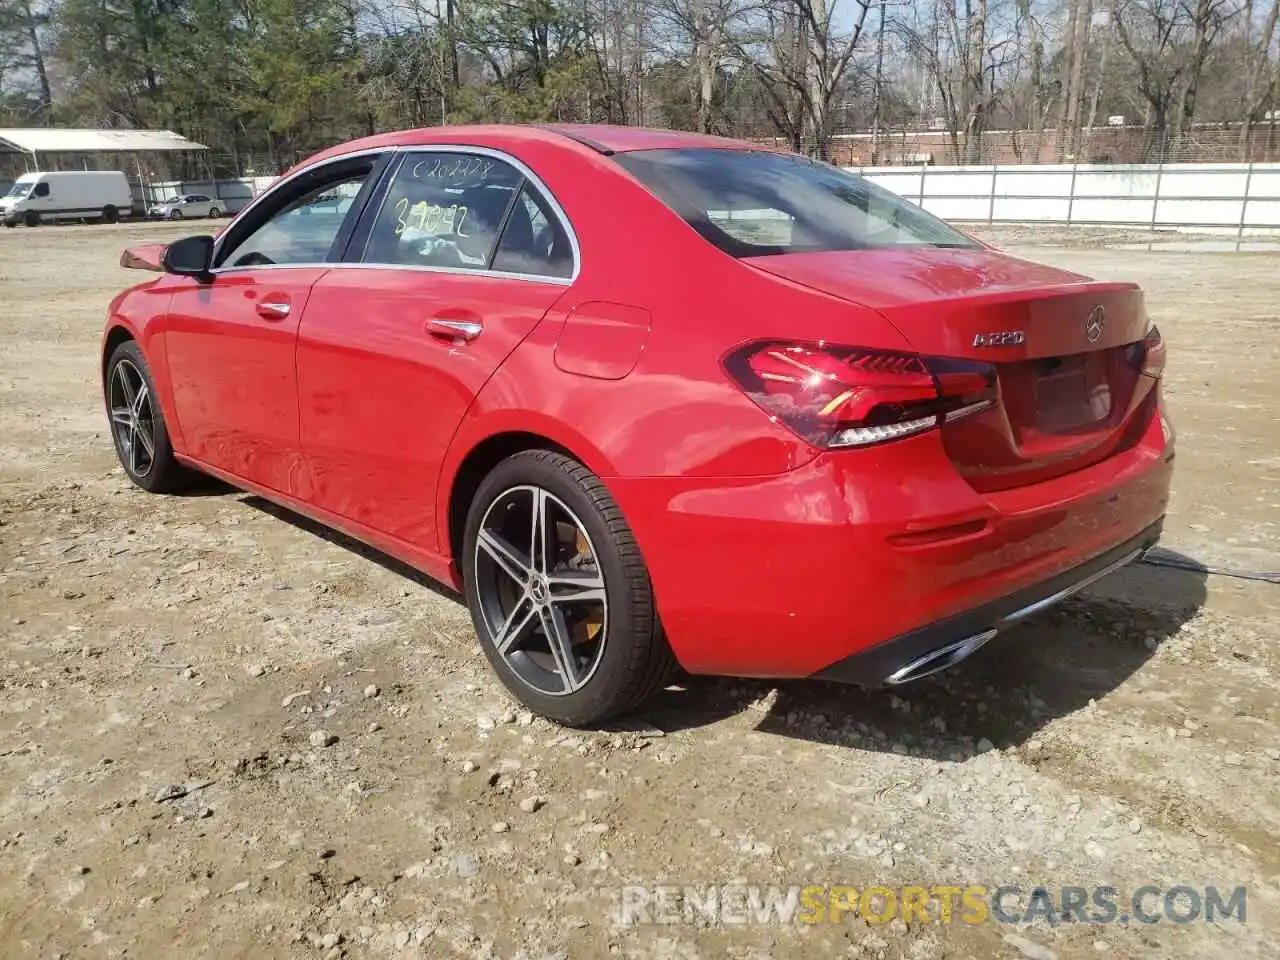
x=19, y=189
x=42, y=190
x=304, y=228
x=752, y=204
x=443, y=210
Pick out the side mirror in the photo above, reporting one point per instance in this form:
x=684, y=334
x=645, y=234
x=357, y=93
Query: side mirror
x=189, y=257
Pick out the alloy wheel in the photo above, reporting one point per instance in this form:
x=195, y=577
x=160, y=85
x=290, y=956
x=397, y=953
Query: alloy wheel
x=541, y=590
x=132, y=419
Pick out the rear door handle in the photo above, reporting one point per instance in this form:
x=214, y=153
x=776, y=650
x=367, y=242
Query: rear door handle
x=273, y=309
x=454, y=329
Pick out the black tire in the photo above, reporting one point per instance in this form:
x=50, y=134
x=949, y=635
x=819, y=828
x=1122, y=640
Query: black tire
x=110, y=214
x=11, y=224
x=633, y=660
x=215, y=213
x=155, y=471
x=175, y=214
x=31, y=219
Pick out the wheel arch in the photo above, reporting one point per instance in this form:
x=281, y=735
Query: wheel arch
x=475, y=451
x=116, y=334
x=476, y=465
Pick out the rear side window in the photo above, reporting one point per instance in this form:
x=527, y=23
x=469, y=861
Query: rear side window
x=443, y=210
x=753, y=204
x=533, y=241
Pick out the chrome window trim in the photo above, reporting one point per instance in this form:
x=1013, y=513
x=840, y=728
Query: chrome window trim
x=530, y=177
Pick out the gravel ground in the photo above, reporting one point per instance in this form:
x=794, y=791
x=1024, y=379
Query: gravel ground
x=225, y=732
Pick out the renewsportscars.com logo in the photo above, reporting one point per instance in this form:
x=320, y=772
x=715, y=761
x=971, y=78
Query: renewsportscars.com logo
x=742, y=904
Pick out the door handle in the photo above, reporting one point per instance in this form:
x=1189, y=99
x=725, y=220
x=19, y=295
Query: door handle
x=273, y=309
x=454, y=329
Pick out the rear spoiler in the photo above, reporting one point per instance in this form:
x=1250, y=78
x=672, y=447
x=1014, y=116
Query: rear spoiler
x=145, y=257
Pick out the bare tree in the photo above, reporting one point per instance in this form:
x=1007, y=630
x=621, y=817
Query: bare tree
x=801, y=55
x=1168, y=42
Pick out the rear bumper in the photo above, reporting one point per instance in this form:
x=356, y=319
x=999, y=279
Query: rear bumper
x=940, y=645
x=796, y=574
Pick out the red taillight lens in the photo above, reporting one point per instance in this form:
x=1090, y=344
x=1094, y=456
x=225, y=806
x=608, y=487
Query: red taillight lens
x=1153, y=353
x=836, y=396
x=1148, y=353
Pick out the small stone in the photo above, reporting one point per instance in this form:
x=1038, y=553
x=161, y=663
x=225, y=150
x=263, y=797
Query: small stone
x=328, y=941
x=500, y=827
x=1273, y=754
x=374, y=727
x=468, y=766
x=920, y=800
x=524, y=718
x=465, y=866
x=985, y=745
x=81, y=870
x=188, y=674
x=1029, y=948
x=572, y=860
x=1233, y=759
x=257, y=670
x=371, y=691
x=322, y=738
x=287, y=702
x=326, y=853
x=172, y=791
x=531, y=804
x=205, y=813
x=508, y=716
x=886, y=860
x=485, y=723
x=1135, y=825
x=147, y=901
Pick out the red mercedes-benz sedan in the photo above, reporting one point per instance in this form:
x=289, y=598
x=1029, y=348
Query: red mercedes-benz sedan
x=651, y=398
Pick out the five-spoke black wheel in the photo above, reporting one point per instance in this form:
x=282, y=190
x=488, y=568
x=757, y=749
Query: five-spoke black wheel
x=559, y=593
x=137, y=423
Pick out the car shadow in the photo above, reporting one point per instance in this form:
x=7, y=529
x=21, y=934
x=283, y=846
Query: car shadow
x=358, y=547
x=1048, y=667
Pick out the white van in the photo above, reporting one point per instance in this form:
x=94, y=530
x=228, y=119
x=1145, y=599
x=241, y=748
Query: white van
x=37, y=198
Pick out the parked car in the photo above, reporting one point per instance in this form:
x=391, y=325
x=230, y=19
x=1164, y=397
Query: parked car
x=651, y=398
x=37, y=198
x=192, y=205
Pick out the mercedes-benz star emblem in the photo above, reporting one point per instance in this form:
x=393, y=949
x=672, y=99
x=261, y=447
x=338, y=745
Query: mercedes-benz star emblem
x=1095, y=324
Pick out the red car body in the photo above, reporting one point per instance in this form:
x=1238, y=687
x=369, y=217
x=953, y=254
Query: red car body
x=769, y=555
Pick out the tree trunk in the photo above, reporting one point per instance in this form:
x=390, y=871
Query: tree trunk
x=37, y=56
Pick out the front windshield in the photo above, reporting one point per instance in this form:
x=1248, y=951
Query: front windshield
x=19, y=189
x=757, y=203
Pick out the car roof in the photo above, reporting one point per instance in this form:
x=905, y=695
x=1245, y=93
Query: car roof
x=597, y=137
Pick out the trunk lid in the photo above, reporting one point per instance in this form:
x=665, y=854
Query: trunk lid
x=1066, y=349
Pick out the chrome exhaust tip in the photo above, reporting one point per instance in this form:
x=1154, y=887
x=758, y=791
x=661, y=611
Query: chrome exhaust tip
x=938, y=660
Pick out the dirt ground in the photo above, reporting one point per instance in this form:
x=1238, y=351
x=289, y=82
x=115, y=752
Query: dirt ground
x=164, y=663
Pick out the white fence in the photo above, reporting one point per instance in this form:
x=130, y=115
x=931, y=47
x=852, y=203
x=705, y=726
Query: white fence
x=1237, y=198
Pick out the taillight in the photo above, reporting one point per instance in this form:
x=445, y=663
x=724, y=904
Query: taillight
x=1153, y=353
x=1147, y=355
x=837, y=396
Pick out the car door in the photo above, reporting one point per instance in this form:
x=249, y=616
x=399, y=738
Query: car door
x=230, y=340
x=462, y=257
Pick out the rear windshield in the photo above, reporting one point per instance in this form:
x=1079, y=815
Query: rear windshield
x=752, y=204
